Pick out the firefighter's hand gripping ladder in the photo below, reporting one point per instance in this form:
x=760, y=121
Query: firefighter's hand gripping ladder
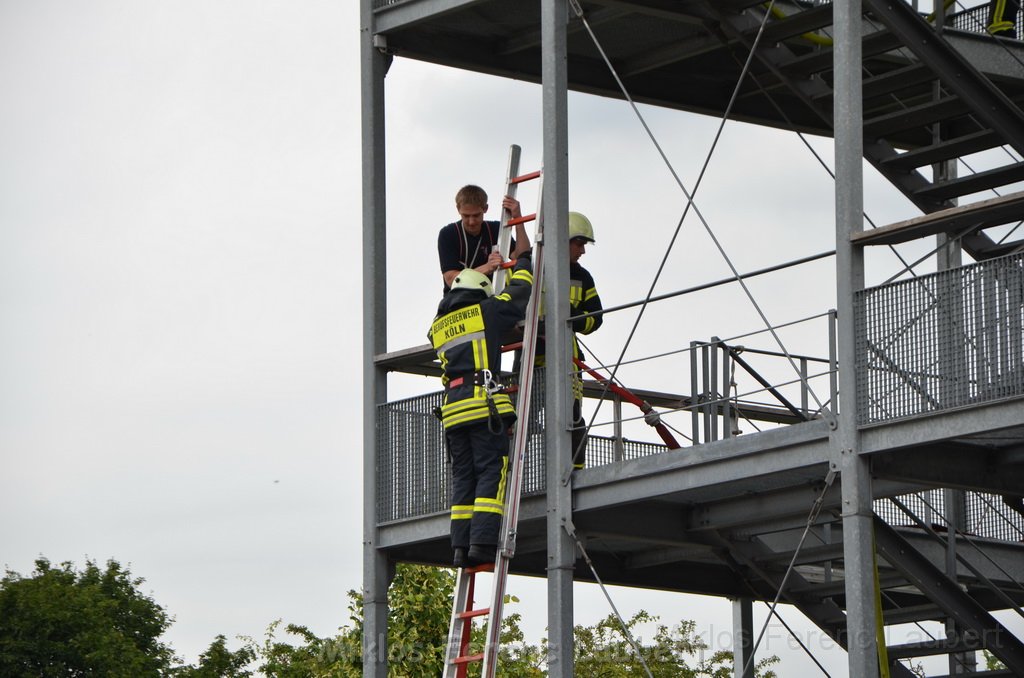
x=457, y=657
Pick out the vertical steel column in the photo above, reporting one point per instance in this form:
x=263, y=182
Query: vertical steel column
x=715, y=395
x=728, y=425
x=742, y=637
x=950, y=256
x=833, y=365
x=561, y=547
x=956, y=520
x=706, y=412
x=619, y=452
x=804, y=388
x=694, y=394
x=376, y=569
x=857, y=513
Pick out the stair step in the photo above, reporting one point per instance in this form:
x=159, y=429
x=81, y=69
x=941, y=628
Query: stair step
x=997, y=673
x=807, y=555
x=913, y=613
x=974, y=183
x=913, y=78
x=945, y=150
x=821, y=60
x=837, y=587
x=931, y=648
x=739, y=5
x=915, y=117
x=898, y=80
x=981, y=247
x=990, y=212
x=806, y=21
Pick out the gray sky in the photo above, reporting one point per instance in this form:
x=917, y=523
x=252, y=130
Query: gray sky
x=180, y=284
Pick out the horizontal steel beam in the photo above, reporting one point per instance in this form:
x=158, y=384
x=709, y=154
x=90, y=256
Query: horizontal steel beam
x=795, y=454
x=405, y=15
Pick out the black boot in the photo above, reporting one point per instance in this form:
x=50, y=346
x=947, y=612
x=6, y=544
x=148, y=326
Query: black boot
x=460, y=559
x=482, y=553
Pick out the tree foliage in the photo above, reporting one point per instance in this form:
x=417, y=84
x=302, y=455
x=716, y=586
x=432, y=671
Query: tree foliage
x=61, y=622
x=93, y=622
x=220, y=662
x=420, y=600
x=674, y=652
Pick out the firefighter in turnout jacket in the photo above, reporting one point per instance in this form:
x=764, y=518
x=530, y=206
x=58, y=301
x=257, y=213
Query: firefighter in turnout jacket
x=466, y=333
x=583, y=299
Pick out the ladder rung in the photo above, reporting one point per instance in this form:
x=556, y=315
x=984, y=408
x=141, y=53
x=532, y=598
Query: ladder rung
x=525, y=177
x=469, y=658
x=521, y=220
x=482, y=567
x=469, y=614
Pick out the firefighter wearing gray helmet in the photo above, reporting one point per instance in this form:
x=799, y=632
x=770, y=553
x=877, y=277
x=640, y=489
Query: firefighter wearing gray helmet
x=580, y=227
x=470, y=279
x=583, y=299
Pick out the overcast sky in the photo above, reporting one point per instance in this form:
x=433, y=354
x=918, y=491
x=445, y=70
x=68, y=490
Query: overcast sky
x=180, y=284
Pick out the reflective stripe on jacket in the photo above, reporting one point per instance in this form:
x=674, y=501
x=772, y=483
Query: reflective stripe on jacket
x=467, y=334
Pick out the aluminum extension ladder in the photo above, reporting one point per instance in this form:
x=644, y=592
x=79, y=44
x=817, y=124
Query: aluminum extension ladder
x=457, y=657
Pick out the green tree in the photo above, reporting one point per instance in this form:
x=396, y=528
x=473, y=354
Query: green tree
x=420, y=600
x=992, y=662
x=313, y=657
x=220, y=662
x=66, y=623
x=674, y=652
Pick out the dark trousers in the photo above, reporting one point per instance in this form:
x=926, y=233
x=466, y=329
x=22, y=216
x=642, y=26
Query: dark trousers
x=579, y=435
x=479, y=470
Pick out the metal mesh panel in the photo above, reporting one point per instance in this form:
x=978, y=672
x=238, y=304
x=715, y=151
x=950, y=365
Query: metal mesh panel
x=929, y=506
x=985, y=515
x=988, y=516
x=602, y=451
x=940, y=341
x=412, y=464
x=975, y=20
x=413, y=471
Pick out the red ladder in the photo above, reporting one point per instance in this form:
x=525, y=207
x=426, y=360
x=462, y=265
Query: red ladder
x=512, y=181
x=460, y=627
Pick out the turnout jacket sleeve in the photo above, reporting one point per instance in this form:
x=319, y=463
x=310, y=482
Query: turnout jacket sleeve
x=514, y=299
x=585, y=300
x=467, y=334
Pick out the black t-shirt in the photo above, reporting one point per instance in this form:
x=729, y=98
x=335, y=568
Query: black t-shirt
x=457, y=249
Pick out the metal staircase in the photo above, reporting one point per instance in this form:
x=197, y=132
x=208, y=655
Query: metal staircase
x=924, y=105
x=912, y=589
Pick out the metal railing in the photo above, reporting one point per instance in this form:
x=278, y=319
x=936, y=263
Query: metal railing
x=380, y=4
x=975, y=20
x=413, y=469
x=940, y=341
x=414, y=476
x=720, y=402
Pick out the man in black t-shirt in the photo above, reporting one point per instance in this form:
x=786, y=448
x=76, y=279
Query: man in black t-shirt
x=470, y=242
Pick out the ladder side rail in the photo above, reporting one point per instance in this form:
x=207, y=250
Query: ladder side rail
x=510, y=517
x=458, y=626
x=504, y=228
